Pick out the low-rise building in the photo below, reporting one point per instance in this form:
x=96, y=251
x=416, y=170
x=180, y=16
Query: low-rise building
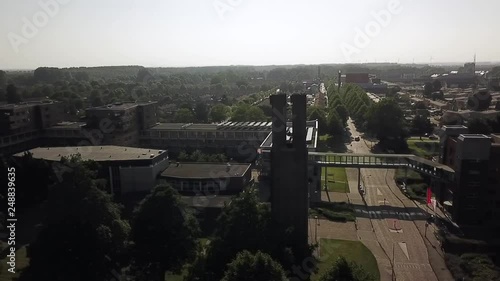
x=208, y=178
x=238, y=140
x=127, y=169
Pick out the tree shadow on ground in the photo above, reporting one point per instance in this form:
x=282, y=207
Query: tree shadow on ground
x=333, y=144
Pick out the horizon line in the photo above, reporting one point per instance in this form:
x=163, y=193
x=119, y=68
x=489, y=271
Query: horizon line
x=263, y=65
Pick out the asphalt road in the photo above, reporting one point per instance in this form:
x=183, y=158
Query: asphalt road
x=388, y=228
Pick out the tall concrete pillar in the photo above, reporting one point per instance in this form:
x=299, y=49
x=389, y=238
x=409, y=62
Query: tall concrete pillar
x=289, y=183
x=278, y=104
x=299, y=121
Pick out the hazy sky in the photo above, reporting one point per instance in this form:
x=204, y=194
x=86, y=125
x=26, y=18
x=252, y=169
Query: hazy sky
x=249, y=32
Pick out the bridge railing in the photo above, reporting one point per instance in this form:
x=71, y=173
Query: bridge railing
x=384, y=161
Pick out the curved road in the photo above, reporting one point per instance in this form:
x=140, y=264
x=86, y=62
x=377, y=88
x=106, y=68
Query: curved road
x=388, y=228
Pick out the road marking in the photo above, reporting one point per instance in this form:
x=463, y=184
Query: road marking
x=405, y=249
x=390, y=213
x=420, y=266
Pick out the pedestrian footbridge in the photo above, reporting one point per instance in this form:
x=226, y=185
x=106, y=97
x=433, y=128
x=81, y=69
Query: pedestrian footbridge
x=383, y=161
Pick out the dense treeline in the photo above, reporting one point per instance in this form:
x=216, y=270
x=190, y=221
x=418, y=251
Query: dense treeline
x=384, y=120
x=357, y=103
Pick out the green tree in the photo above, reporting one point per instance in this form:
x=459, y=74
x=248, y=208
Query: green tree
x=436, y=85
x=343, y=270
x=428, y=89
x=479, y=126
x=83, y=232
x=342, y=113
x=249, y=267
x=184, y=115
x=385, y=120
x=34, y=177
x=421, y=125
x=245, y=113
x=245, y=224
x=144, y=76
x=479, y=101
x=3, y=78
x=335, y=127
x=219, y=113
x=315, y=113
x=12, y=94
x=164, y=234
x=254, y=113
x=201, y=111
x=95, y=98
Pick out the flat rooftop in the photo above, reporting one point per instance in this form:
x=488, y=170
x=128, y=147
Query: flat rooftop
x=105, y=153
x=8, y=106
x=68, y=125
x=226, y=126
x=473, y=136
x=120, y=106
x=311, y=135
x=205, y=170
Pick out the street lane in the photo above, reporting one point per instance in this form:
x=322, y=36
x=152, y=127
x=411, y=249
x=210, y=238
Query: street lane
x=393, y=224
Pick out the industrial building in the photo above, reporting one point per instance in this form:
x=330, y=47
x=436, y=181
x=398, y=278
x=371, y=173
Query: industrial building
x=369, y=84
x=238, y=140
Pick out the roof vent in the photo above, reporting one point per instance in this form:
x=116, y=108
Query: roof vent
x=228, y=167
x=177, y=164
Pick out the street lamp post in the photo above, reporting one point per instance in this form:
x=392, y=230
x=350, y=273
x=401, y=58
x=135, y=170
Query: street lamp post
x=316, y=229
x=393, y=261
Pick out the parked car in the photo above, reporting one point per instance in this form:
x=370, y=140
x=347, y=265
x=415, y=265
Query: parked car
x=357, y=138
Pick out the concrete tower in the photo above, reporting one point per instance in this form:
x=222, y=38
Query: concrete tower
x=289, y=185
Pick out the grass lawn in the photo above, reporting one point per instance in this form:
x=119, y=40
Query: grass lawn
x=336, y=178
x=21, y=262
x=333, y=211
x=424, y=148
x=354, y=251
